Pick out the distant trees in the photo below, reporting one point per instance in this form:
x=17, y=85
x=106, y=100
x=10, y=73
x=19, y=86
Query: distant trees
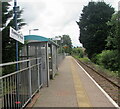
x=77, y=51
x=100, y=34
x=8, y=44
x=113, y=38
x=6, y=13
x=65, y=43
x=93, y=27
x=110, y=57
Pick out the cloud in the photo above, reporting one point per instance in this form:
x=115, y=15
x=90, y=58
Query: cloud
x=55, y=17
x=32, y=10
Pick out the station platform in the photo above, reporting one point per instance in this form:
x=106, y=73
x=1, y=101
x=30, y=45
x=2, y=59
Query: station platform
x=72, y=87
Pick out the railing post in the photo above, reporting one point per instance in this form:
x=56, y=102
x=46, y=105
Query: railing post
x=30, y=81
x=38, y=64
x=1, y=88
x=47, y=64
x=1, y=92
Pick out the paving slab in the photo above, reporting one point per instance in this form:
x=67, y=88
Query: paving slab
x=61, y=92
x=71, y=88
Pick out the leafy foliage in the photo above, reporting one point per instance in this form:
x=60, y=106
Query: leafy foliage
x=108, y=59
x=93, y=27
x=113, y=40
x=8, y=44
x=78, y=52
x=65, y=44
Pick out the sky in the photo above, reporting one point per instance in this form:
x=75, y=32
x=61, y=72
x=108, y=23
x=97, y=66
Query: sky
x=55, y=17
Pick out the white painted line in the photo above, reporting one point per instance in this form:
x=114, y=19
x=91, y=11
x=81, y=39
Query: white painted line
x=109, y=98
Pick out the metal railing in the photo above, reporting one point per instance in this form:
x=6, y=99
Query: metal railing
x=18, y=88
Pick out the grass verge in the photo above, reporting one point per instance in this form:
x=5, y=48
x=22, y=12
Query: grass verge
x=98, y=68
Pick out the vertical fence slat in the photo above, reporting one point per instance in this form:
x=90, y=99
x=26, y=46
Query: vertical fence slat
x=38, y=73
x=1, y=93
x=11, y=92
x=15, y=92
x=30, y=81
x=5, y=97
x=27, y=84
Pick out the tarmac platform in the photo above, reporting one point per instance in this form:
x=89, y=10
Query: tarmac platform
x=73, y=87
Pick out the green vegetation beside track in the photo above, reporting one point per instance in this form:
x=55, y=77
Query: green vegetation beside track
x=98, y=67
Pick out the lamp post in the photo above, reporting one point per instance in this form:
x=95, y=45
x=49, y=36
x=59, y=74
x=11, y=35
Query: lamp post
x=32, y=30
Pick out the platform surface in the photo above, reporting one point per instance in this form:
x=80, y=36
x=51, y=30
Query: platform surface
x=71, y=88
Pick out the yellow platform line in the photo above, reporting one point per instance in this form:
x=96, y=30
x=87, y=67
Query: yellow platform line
x=82, y=97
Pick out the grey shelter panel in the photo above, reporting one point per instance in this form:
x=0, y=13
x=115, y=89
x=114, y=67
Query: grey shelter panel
x=31, y=50
x=37, y=47
x=23, y=53
x=39, y=50
x=40, y=65
x=54, y=52
x=36, y=50
x=44, y=62
x=50, y=61
x=34, y=75
x=38, y=61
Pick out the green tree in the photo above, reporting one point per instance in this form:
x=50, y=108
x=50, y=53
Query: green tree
x=113, y=40
x=93, y=27
x=8, y=44
x=114, y=37
x=108, y=59
x=65, y=43
x=78, y=52
x=6, y=15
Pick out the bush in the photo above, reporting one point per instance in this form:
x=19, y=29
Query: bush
x=77, y=52
x=108, y=59
x=86, y=60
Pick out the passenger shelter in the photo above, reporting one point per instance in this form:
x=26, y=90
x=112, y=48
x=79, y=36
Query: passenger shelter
x=44, y=48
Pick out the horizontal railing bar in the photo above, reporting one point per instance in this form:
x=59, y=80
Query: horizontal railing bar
x=26, y=103
x=11, y=81
x=35, y=92
x=5, y=76
x=34, y=65
x=32, y=96
x=11, y=63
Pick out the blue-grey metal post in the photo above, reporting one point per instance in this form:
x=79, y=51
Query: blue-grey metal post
x=16, y=28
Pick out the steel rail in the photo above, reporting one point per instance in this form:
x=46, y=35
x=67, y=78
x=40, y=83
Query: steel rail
x=109, y=80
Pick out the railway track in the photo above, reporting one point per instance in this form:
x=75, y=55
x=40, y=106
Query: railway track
x=110, y=86
x=114, y=83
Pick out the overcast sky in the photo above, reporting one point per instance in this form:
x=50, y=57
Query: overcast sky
x=55, y=17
